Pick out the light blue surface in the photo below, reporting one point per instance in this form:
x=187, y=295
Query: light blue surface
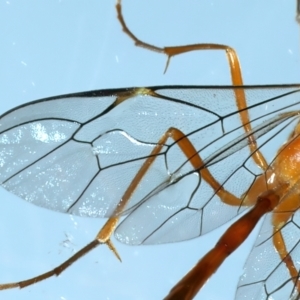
x=50, y=48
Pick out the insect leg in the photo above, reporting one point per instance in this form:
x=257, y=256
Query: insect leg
x=192, y=282
x=282, y=214
x=235, y=71
x=103, y=237
x=281, y=249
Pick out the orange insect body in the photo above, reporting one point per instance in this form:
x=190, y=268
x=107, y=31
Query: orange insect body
x=275, y=189
x=234, y=236
x=285, y=169
x=271, y=191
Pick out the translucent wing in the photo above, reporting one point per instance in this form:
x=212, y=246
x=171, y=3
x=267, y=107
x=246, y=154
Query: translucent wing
x=184, y=206
x=266, y=275
x=78, y=154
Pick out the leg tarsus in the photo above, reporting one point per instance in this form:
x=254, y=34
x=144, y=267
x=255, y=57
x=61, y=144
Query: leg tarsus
x=54, y=272
x=111, y=246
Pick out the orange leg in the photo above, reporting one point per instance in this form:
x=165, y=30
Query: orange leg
x=208, y=264
x=279, y=244
x=282, y=213
x=264, y=204
x=191, y=283
x=103, y=237
x=235, y=72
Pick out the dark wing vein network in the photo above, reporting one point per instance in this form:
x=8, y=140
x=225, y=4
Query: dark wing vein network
x=183, y=205
x=265, y=273
x=78, y=153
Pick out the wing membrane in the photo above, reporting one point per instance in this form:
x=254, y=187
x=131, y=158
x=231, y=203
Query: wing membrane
x=266, y=275
x=78, y=153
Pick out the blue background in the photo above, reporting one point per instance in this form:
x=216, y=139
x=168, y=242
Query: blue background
x=50, y=48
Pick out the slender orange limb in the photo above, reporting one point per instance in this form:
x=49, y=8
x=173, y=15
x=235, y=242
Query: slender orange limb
x=55, y=272
x=281, y=249
x=286, y=165
x=213, y=258
x=282, y=213
x=192, y=282
x=103, y=237
x=235, y=72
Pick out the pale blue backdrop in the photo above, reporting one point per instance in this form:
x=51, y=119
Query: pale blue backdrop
x=50, y=48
